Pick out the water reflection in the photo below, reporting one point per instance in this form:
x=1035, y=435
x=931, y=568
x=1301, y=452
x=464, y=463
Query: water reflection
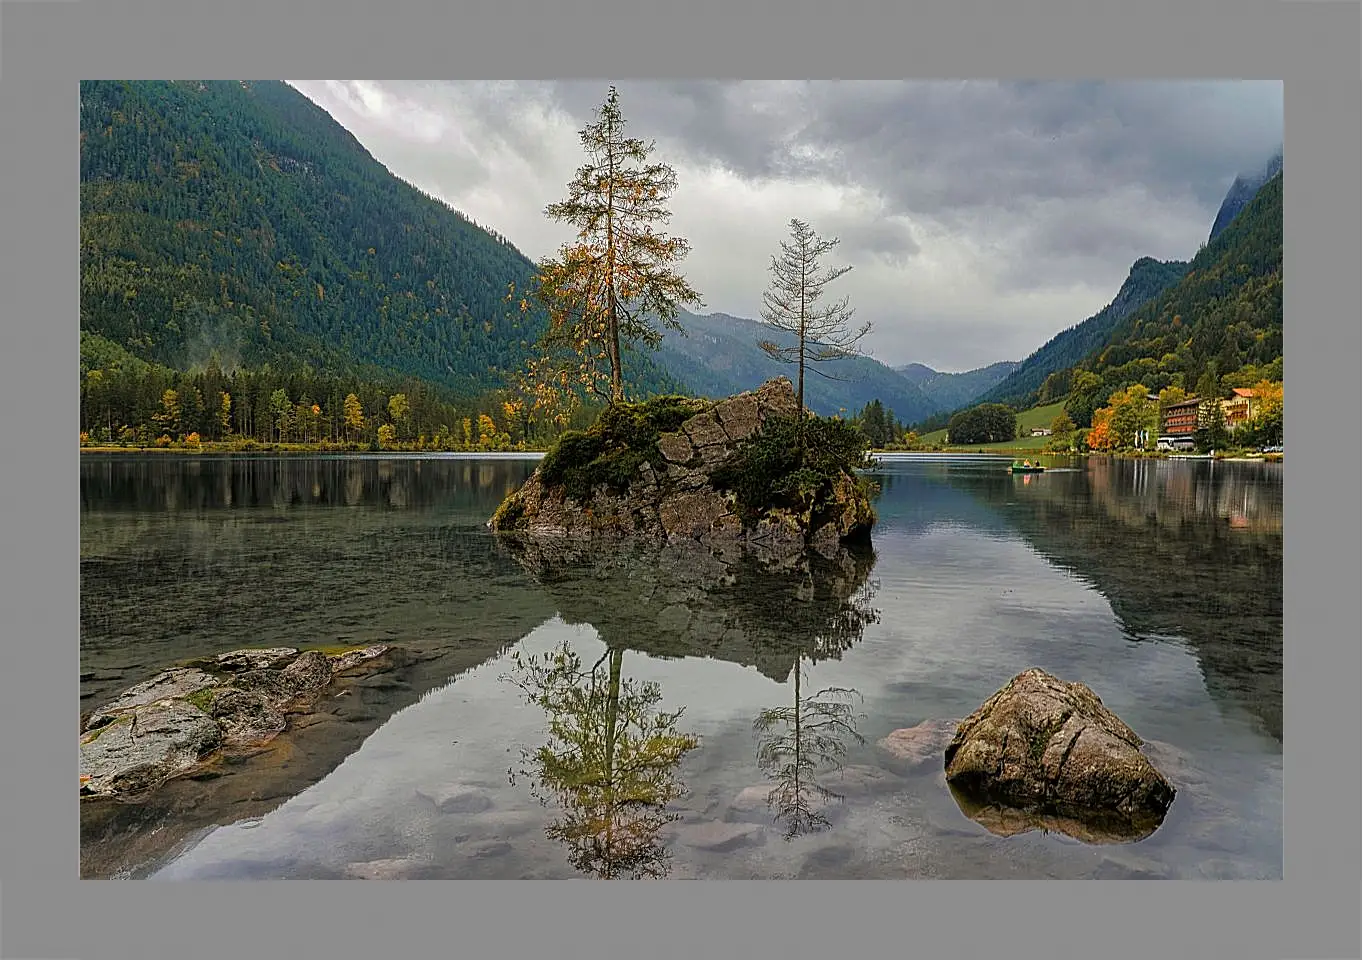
x=1192, y=550
x=777, y=612
x=158, y=485
x=267, y=552
x=1004, y=820
x=749, y=606
x=610, y=761
x=799, y=743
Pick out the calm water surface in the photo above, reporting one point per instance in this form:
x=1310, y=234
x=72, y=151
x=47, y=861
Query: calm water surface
x=1158, y=584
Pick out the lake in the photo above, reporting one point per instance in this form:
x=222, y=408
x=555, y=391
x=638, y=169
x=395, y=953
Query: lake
x=1158, y=584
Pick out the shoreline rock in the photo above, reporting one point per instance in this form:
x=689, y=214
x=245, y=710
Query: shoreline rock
x=1050, y=748
x=663, y=463
x=180, y=721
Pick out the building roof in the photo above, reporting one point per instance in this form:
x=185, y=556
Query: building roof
x=1244, y=392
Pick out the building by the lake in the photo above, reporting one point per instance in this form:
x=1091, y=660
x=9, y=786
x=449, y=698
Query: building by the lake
x=1240, y=408
x=1177, y=424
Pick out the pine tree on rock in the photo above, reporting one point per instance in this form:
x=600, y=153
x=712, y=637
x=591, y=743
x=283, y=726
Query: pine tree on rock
x=791, y=304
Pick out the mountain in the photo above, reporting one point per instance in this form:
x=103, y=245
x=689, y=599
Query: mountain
x=951, y=391
x=1242, y=191
x=717, y=355
x=238, y=219
x=1225, y=313
x=1028, y=383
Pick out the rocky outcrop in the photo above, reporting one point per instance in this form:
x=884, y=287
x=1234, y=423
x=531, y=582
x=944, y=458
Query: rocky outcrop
x=665, y=486
x=1048, y=747
x=181, y=719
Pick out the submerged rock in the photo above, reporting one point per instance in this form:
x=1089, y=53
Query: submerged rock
x=670, y=470
x=395, y=868
x=910, y=748
x=177, y=721
x=1051, y=748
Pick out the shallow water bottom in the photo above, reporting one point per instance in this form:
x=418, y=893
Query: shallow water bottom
x=418, y=802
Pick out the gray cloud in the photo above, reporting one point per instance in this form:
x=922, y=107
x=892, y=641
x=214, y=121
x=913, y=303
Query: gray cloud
x=974, y=212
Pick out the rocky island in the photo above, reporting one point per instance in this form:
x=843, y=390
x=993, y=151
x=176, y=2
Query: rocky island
x=744, y=470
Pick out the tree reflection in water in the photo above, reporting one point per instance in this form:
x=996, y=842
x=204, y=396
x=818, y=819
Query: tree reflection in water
x=752, y=606
x=610, y=761
x=804, y=741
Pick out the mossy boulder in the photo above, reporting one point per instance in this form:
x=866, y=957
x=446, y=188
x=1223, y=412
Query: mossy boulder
x=1049, y=748
x=748, y=468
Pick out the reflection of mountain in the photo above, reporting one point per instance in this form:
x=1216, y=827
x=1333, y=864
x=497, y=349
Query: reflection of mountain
x=1187, y=549
x=747, y=607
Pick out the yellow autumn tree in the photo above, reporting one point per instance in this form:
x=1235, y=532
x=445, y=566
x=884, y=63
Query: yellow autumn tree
x=608, y=286
x=225, y=413
x=353, y=414
x=1134, y=417
x=1268, y=398
x=399, y=409
x=168, y=417
x=487, y=432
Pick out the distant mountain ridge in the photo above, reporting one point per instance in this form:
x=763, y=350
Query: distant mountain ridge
x=950, y=391
x=1242, y=191
x=1224, y=313
x=717, y=355
x=1147, y=278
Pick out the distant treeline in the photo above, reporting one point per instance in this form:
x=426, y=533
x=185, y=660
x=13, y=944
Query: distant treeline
x=129, y=402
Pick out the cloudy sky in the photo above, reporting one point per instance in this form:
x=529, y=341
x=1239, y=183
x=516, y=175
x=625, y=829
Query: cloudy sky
x=980, y=218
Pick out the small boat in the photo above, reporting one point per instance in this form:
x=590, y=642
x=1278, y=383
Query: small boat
x=1020, y=466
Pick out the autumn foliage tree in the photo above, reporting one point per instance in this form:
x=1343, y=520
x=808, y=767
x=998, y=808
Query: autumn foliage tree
x=607, y=287
x=1100, y=436
x=354, y=414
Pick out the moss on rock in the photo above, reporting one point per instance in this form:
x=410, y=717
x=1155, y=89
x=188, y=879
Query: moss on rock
x=612, y=450
x=775, y=470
